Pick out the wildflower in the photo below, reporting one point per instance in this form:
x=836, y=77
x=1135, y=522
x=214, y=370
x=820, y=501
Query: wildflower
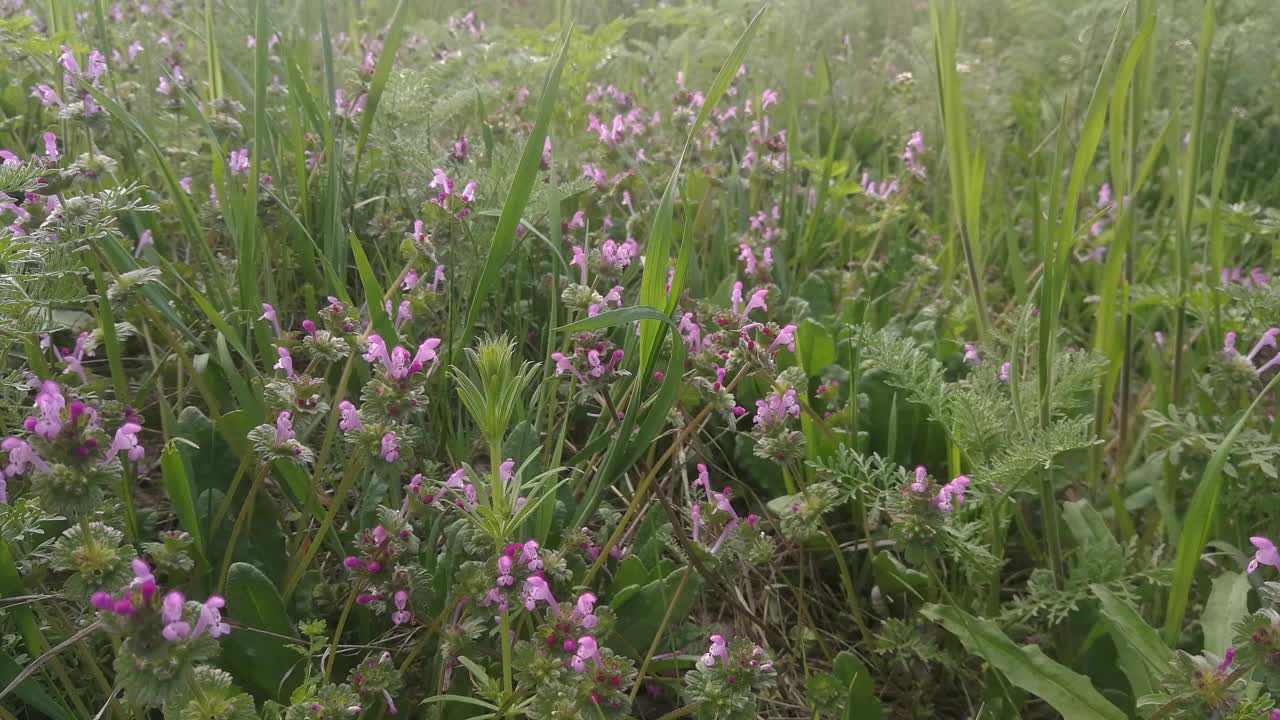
x=238, y=161
x=718, y=649
x=51, y=146
x=437, y=279
x=21, y=455
x=469, y=192
x=440, y=180
x=1004, y=372
x=756, y=301
x=586, y=650
x=921, y=483
x=506, y=469
x=285, y=362
x=74, y=359
x=1104, y=204
x=185, y=184
x=46, y=95
x=748, y=256
x=971, y=354
x=529, y=555
x=210, y=620
x=1266, y=553
x=269, y=314
x=145, y=240
x=535, y=591
x=126, y=440
x=910, y=154
x=1268, y=340
x=460, y=149
x=772, y=411
x=390, y=448
x=97, y=65
x=583, y=611
x=404, y=313
x=769, y=97
x=880, y=191
x=952, y=492
x=401, y=615
x=284, y=427
x=171, y=615
x=49, y=403
x=350, y=417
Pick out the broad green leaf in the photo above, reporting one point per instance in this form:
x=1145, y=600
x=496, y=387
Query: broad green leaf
x=254, y=604
x=815, y=347
x=1143, y=655
x=1227, y=605
x=861, y=702
x=1066, y=691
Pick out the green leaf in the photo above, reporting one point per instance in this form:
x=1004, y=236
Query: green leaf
x=861, y=702
x=815, y=347
x=373, y=294
x=1143, y=655
x=504, y=235
x=1199, y=519
x=182, y=495
x=647, y=608
x=1228, y=604
x=253, y=604
x=1068, y=692
x=31, y=691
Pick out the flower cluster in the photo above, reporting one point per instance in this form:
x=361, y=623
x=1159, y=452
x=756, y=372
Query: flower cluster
x=381, y=567
x=164, y=635
x=65, y=452
x=772, y=427
x=715, y=525
x=1246, y=365
x=727, y=680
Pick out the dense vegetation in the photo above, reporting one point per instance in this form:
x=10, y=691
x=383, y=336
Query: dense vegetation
x=871, y=359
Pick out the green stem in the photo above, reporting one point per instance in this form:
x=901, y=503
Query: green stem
x=344, y=487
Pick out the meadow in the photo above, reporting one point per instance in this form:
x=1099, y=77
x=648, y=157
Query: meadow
x=552, y=359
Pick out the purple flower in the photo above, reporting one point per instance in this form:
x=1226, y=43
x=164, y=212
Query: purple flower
x=426, y=353
x=171, y=615
x=238, y=161
x=756, y=301
x=185, y=184
x=971, y=355
x=49, y=402
x=401, y=615
x=469, y=192
x=506, y=470
x=772, y=411
x=580, y=259
x=210, y=620
x=437, y=278
x=441, y=180
x=587, y=650
x=718, y=649
x=68, y=61
x=350, y=417
x=269, y=314
x=285, y=362
x=284, y=427
x=404, y=313
x=126, y=440
x=97, y=65
x=535, y=591
x=21, y=454
x=1004, y=372
x=584, y=610
x=390, y=448
x=46, y=95
x=529, y=556
x=74, y=359
x=910, y=154
x=1266, y=553
x=921, y=483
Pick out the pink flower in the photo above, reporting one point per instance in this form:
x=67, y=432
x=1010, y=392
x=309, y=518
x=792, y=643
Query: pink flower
x=587, y=650
x=564, y=365
x=971, y=354
x=404, y=313
x=285, y=362
x=1004, y=372
x=426, y=353
x=580, y=259
x=506, y=470
x=535, y=591
x=21, y=454
x=440, y=180
x=46, y=95
x=769, y=97
x=437, y=279
x=74, y=359
x=49, y=403
x=126, y=440
x=390, y=448
x=68, y=60
x=1265, y=555
x=284, y=427
x=469, y=192
x=718, y=649
x=772, y=411
x=51, y=146
x=185, y=183
x=410, y=280
x=921, y=483
x=171, y=615
x=269, y=314
x=238, y=161
x=210, y=620
x=401, y=615
x=583, y=611
x=350, y=417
